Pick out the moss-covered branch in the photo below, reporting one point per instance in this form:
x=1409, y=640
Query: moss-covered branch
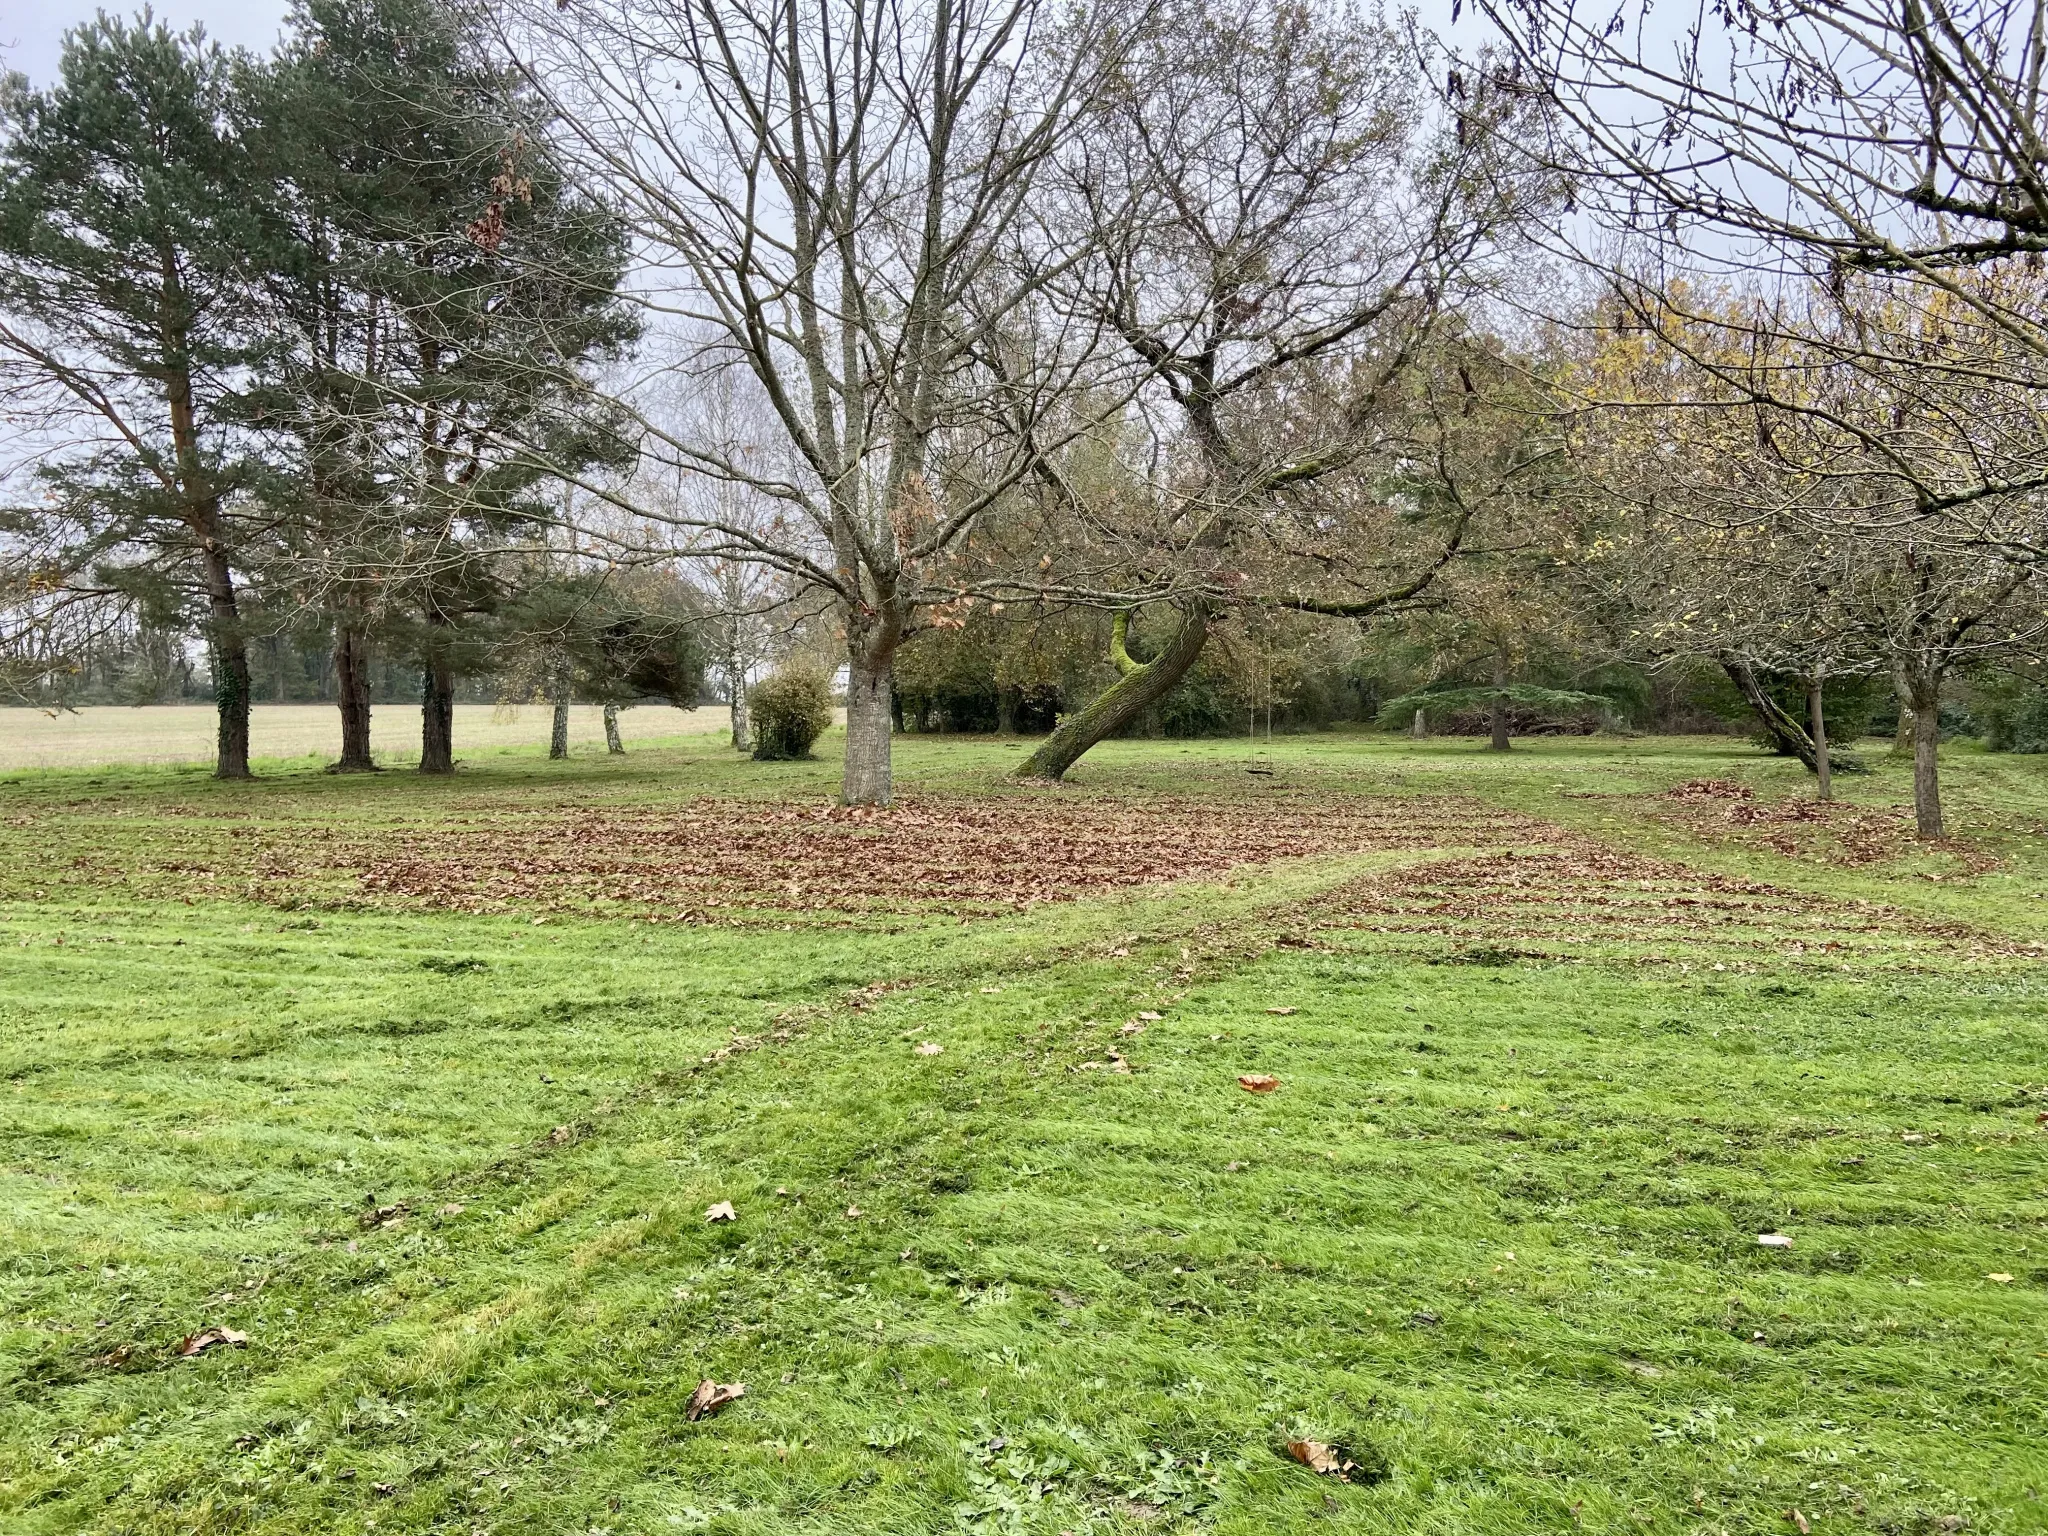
x=1142, y=685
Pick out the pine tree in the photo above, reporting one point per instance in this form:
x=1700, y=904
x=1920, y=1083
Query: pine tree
x=444, y=286
x=125, y=328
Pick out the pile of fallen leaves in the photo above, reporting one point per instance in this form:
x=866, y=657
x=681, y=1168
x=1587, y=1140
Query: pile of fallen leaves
x=957, y=853
x=1581, y=895
x=1710, y=790
x=1834, y=832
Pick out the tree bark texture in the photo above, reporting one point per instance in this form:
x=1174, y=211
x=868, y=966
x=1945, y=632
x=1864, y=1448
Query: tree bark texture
x=612, y=742
x=1920, y=693
x=230, y=666
x=1824, y=788
x=437, y=719
x=352, y=689
x=742, y=726
x=558, y=732
x=870, y=722
x=1419, y=726
x=1499, y=711
x=1142, y=685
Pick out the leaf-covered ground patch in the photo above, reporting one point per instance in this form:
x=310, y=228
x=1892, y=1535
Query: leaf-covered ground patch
x=1581, y=897
x=1838, y=832
x=717, y=858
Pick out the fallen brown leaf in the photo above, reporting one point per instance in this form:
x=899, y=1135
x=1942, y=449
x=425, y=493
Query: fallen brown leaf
x=930, y=1048
x=1773, y=1240
x=1999, y=1279
x=1323, y=1460
x=722, y=1211
x=199, y=1343
x=1798, y=1520
x=711, y=1396
x=1257, y=1082
x=1283, y=1012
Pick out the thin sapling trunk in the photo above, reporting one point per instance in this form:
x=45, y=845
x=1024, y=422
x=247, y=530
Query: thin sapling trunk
x=1824, y=788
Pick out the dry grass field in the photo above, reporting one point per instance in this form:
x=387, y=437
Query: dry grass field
x=183, y=733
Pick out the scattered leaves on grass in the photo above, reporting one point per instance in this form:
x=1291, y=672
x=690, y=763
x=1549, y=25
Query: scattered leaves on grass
x=209, y=1338
x=1257, y=1082
x=711, y=1396
x=722, y=1211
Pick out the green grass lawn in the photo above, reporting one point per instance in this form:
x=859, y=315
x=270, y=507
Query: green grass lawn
x=1554, y=1046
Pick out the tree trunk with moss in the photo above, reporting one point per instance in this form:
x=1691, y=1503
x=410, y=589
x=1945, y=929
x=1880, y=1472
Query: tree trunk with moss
x=1786, y=733
x=1142, y=685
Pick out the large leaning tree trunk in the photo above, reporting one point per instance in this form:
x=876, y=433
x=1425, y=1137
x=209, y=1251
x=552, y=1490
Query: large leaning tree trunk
x=1297, y=231
x=1787, y=735
x=871, y=645
x=1142, y=685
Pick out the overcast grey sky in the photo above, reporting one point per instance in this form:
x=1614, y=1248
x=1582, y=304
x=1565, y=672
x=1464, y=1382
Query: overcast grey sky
x=30, y=30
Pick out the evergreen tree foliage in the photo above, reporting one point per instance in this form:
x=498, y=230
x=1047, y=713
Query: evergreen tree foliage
x=126, y=334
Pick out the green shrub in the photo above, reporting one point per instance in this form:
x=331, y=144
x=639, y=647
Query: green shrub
x=789, y=711
x=2012, y=714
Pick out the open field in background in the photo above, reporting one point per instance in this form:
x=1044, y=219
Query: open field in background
x=425, y=1088
x=104, y=734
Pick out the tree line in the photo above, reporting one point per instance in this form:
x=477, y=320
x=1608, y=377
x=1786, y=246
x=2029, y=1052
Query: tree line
x=588, y=344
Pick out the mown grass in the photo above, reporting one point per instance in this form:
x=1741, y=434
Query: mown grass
x=1496, y=1231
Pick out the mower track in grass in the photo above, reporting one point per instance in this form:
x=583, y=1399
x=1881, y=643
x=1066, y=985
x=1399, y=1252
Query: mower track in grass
x=1013, y=1251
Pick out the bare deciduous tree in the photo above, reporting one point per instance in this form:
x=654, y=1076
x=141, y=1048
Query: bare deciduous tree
x=836, y=192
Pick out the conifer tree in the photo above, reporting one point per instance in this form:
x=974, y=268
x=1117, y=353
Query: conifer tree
x=125, y=334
